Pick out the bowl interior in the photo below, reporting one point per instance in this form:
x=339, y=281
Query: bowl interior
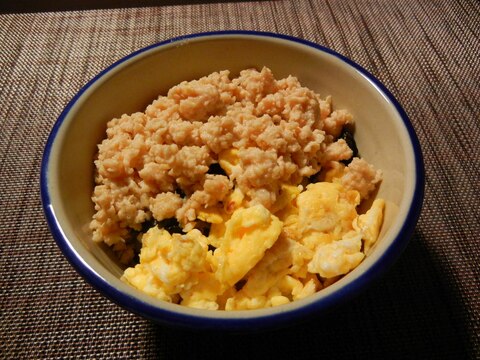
x=136, y=81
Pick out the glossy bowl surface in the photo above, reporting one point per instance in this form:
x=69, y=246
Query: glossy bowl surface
x=384, y=136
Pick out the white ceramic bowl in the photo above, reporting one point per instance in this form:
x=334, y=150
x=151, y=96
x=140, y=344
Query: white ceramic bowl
x=384, y=136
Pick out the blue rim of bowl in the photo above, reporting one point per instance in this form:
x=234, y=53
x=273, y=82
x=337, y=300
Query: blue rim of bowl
x=262, y=322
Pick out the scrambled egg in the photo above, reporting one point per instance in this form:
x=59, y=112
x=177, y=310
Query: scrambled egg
x=255, y=258
x=248, y=234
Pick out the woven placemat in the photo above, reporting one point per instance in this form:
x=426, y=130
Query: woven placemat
x=427, y=306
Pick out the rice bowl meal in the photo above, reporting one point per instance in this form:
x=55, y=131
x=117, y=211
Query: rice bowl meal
x=235, y=193
x=235, y=190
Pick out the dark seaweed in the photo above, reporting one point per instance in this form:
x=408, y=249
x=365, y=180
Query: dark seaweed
x=171, y=225
x=313, y=178
x=180, y=192
x=204, y=227
x=216, y=169
x=148, y=224
x=347, y=135
x=240, y=284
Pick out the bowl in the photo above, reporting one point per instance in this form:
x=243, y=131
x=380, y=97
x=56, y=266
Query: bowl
x=383, y=134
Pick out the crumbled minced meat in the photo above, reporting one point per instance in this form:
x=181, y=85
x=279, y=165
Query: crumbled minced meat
x=282, y=132
x=215, y=189
x=164, y=205
x=361, y=176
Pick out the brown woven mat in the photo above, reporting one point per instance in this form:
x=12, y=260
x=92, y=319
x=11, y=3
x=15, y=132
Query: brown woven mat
x=427, y=306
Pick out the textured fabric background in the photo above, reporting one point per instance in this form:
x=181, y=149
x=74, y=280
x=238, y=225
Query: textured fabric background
x=427, y=306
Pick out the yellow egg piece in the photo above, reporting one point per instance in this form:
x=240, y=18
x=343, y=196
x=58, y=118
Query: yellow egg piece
x=326, y=208
x=168, y=263
x=212, y=215
x=273, y=266
x=287, y=194
x=369, y=224
x=234, y=201
x=228, y=160
x=248, y=234
x=204, y=294
x=338, y=257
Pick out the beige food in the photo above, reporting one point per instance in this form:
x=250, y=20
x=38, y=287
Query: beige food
x=280, y=207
